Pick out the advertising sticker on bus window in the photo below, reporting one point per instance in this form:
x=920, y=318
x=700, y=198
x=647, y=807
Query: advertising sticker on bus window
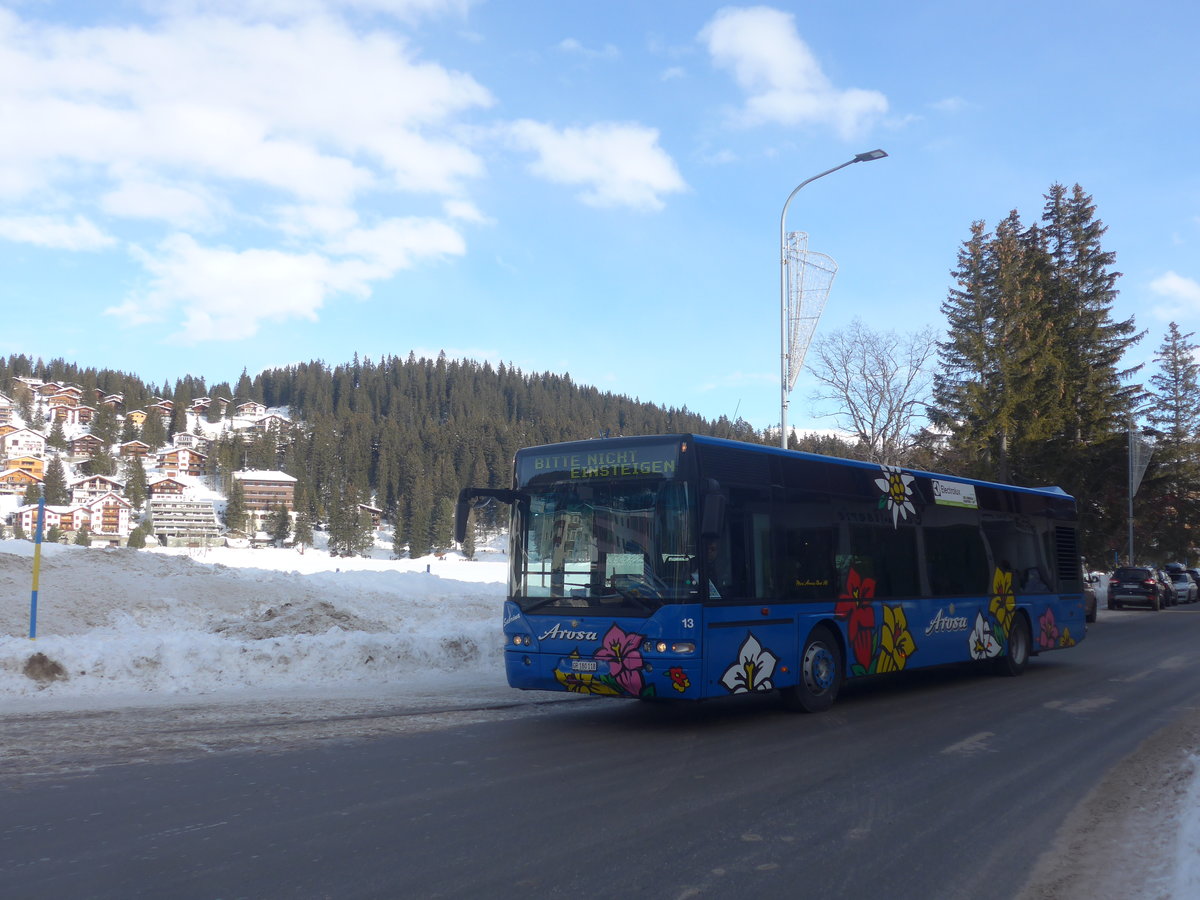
x=953, y=493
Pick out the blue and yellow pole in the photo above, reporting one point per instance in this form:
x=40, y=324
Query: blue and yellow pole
x=37, y=565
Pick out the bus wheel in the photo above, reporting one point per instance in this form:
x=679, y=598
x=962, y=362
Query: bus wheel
x=820, y=673
x=1017, y=658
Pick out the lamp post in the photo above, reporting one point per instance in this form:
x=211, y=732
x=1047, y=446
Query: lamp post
x=783, y=297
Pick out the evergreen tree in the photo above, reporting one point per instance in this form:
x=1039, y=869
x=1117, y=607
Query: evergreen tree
x=468, y=544
x=137, y=539
x=105, y=425
x=443, y=525
x=303, y=535
x=58, y=438
x=55, y=483
x=129, y=431
x=1174, y=482
x=82, y=537
x=136, y=487
x=278, y=525
x=3, y=533
x=54, y=535
x=398, y=546
x=18, y=531
x=102, y=462
x=235, y=506
x=154, y=433
x=33, y=493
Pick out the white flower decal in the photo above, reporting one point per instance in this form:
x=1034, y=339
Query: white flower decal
x=753, y=670
x=896, y=492
x=983, y=643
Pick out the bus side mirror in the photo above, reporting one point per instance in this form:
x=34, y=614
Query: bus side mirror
x=713, y=514
x=466, y=498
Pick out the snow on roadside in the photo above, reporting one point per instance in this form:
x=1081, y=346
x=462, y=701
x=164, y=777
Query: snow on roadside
x=178, y=622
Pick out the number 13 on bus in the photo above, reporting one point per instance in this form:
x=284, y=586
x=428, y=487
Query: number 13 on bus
x=685, y=566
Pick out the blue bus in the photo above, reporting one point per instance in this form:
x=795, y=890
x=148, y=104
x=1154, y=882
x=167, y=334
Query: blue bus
x=685, y=566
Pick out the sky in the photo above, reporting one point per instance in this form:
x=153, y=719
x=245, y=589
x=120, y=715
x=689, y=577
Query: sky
x=197, y=187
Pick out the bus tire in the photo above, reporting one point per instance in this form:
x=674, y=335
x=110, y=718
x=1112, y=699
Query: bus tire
x=820, y=673
x=1019, y=645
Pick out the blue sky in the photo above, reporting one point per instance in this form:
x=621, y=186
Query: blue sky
x=198, y=186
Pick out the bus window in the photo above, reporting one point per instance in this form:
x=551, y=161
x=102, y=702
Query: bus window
x=956, y=560
x=888, y=557
x=1016, y=548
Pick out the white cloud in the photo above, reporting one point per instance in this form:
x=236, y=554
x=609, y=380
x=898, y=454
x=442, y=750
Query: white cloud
x=783, y=81
x=571, y=45
x=465, y=211
x=399, y=243
x=137, y=198
x=53, y=232
x=1182, y=295
x=226, y=294
x=617, y=164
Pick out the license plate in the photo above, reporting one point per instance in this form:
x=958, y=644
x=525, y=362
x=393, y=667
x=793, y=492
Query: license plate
x=583, y=665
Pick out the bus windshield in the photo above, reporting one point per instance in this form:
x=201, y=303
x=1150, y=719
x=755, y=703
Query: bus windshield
x=617, y=545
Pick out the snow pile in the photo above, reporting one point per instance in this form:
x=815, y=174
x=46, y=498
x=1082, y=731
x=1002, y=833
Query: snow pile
x=178, y=622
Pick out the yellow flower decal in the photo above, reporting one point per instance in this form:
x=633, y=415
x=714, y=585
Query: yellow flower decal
x=896, y=643
x=1004, y=602
x=1066, y=640
x=586, y=682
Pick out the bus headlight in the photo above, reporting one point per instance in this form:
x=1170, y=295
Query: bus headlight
x=661, y=646
x=683, y=647
x=522, y=640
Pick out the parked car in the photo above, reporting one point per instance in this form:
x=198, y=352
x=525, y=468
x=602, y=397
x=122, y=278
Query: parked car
x=1170, y=598
x=1185, y=586
x=1090, y=581
x=1135, y=585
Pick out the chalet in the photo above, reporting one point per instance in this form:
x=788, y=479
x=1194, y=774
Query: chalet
x=171, y=487
x=34, y=465
x=135, y=448
x=181, y=461
x=86, y=445
x=163, y=407
x=137, y=417
x=87, y=489
x=112, y=517
x=68, y=396
x=46, y=389
x=7, y=429
x=16, y=481
x=23, y=441
x=114, y=401
x=374, y=512
x=6, y=409
x=196, y=442
x=271, y=422
x=251, y=409
x=74, y=415
x=27, y=517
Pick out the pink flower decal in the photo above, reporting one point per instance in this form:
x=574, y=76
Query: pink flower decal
x=620, y=650
x=1048, y=637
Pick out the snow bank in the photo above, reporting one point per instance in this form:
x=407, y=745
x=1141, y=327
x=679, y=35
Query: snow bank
x=178, y=622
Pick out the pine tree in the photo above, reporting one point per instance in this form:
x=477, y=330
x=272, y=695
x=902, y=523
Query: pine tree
x=105, y=425
x=55, y=483
x=102, y=462
x=154, y=433
x=303, y=535
x=137, y=539
x=235, y=506
x=136, y=487
x=57, y=438
x=468, y=544
x=33, y=493
x=82, y=537
x=278, y=525
x=54, y=535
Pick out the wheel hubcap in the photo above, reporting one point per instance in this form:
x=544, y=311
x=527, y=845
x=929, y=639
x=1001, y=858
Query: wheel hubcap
x=818, y=668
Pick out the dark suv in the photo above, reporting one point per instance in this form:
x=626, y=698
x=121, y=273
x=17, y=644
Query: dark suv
x=1135, y=585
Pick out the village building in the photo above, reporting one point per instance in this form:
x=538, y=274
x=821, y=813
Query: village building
x=251, y=409
x=181, y=461
x=14, y=482
x=266, y=491
x=85, y=446
x=170, y=487
x=6, y=409
x=74, y=415
x=374, y=512
x=137, y=417
x=22, y=442
x=135, y=448
x=184, y=523
x=34, y=465
x=94, y=486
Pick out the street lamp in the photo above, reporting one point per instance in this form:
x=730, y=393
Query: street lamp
x=783, y=297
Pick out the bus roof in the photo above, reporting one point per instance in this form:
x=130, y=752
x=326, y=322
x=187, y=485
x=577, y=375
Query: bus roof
x=702, y=439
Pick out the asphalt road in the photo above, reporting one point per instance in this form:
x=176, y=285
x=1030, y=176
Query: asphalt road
x=942, y=784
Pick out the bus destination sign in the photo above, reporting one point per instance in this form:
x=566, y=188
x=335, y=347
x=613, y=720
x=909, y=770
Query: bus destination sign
x=600, y=463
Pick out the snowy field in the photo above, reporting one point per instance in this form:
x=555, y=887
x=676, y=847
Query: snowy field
x=169, y=624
